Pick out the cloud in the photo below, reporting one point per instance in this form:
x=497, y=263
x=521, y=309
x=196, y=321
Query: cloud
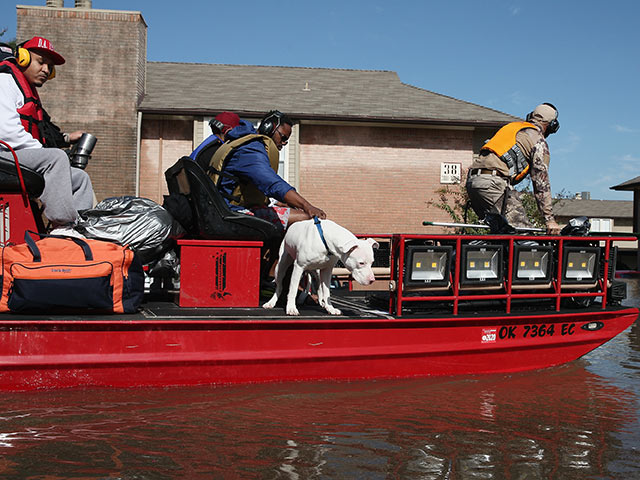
x=518, y=98
x=620, y=169
x=624, y=129
x=570, y=143
x=627, y=163
x=514, y=10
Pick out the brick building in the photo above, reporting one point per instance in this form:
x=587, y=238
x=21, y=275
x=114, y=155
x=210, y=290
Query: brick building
x=368, y=149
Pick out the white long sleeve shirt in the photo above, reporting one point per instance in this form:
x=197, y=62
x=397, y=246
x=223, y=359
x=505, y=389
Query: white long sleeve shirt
x=11, y=129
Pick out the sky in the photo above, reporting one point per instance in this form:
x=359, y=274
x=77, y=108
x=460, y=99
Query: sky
x=508, y=55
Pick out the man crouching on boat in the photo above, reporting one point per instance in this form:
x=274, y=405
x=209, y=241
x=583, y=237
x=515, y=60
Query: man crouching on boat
x=518, y=149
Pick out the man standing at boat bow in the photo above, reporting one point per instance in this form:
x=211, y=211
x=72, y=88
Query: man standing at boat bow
x=518, y=149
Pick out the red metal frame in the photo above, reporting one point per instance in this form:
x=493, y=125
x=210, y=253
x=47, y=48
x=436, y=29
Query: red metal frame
x=23, y=188
x=397, y=297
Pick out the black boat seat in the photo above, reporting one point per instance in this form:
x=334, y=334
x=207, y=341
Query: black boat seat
x=212, y=217
x=10, y=182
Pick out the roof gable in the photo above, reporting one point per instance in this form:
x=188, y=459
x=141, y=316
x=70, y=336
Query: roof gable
x=196, y=88
x=633, y=184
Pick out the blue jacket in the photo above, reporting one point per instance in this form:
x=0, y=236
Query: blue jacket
x=210, y=139
x=251, y=161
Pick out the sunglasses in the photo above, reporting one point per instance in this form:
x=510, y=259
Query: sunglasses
x=283, y=138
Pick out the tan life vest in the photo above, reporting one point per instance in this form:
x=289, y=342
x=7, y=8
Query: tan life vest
x=246, y=194
x=504, y=145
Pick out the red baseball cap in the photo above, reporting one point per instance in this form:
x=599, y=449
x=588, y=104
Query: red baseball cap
x=40, y=44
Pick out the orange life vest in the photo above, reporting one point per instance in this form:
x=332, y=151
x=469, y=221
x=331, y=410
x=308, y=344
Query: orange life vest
x=504, y=145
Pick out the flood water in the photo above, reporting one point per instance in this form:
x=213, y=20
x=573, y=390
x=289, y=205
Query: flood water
x=576, y=421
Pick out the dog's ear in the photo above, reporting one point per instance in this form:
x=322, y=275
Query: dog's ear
x=347, y=246
x=373, y=243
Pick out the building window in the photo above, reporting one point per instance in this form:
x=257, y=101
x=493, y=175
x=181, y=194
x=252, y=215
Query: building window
x=601, y=224
x=450, y=172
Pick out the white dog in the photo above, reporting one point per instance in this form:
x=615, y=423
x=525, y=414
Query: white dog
x=310, y=248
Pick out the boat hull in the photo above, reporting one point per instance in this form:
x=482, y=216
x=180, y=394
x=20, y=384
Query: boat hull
x=44, y=354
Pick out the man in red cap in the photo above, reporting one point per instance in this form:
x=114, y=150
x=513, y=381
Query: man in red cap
x=25, y=126
x=220, y=125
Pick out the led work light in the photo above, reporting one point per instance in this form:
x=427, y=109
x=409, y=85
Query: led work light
x=481, y=265
x=532, y=264
x=428, y=265
x=580, y=265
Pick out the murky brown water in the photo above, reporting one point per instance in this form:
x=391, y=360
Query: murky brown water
x=577, y=421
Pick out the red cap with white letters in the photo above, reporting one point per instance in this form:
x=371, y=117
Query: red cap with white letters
x=40, y=44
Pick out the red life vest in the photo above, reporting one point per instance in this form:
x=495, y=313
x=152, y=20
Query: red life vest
x=31, y=113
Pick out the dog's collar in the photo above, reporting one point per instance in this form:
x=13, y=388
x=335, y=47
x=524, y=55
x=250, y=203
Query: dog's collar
x=316, y=220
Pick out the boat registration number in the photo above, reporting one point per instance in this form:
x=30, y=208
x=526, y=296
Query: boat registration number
x=490, y=335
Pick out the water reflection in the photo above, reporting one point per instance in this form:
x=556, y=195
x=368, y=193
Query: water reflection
x=557, y=423
x=571, y=422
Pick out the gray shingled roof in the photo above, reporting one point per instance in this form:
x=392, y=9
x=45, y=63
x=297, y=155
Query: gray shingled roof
x=593, y=208
x=633, y=184
x=319, y=93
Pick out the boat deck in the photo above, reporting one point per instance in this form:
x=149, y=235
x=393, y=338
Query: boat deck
x=353, y=304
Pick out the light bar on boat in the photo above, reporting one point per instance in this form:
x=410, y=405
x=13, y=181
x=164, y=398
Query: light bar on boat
x=532, y=265
x=481, y=265
x=428, y=265
x=580, y=265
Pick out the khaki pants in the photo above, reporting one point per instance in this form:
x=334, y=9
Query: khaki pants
x=487, y=195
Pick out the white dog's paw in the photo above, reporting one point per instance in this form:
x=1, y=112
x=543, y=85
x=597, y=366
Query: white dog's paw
x=292, y=310
x=333, y=310
x=270, y=304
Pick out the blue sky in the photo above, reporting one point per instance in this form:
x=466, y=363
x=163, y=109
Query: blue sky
x=582, y=56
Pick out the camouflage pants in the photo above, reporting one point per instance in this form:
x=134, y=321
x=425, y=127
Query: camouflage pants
x=493, y=194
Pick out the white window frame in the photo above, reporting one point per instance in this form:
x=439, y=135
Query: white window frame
x=601, y=224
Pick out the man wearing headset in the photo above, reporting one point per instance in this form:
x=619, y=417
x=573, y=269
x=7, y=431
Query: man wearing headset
x=23, y=123
x=518, y=149
x=245, y=171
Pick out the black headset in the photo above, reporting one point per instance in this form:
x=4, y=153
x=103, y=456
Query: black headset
x=270, y=122
x=554, y=125
x=216, y=126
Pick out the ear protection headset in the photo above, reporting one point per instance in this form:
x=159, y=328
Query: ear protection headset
x=23, y=58
x=216, y=126
x=270, y=122
x=554, y=124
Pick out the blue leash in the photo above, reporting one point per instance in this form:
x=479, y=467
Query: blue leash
x=316, y=220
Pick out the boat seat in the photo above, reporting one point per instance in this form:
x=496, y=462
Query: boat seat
x=212, y=217
x=10, y=182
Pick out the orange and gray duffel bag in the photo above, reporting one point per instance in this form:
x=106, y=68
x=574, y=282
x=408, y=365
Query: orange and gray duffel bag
x=70, y=274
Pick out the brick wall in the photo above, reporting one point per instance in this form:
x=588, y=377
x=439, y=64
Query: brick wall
x=379, y=180
x=98, y=88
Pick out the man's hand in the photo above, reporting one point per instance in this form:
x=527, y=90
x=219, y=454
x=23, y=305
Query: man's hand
x=75, y=136
x=553, y=228
x=315, y=212
x=295, y=200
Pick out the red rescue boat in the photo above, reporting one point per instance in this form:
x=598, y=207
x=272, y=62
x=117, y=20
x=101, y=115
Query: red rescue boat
x=444, y=305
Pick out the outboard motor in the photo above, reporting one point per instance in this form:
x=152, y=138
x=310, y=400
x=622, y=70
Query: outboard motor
x=80, y=153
